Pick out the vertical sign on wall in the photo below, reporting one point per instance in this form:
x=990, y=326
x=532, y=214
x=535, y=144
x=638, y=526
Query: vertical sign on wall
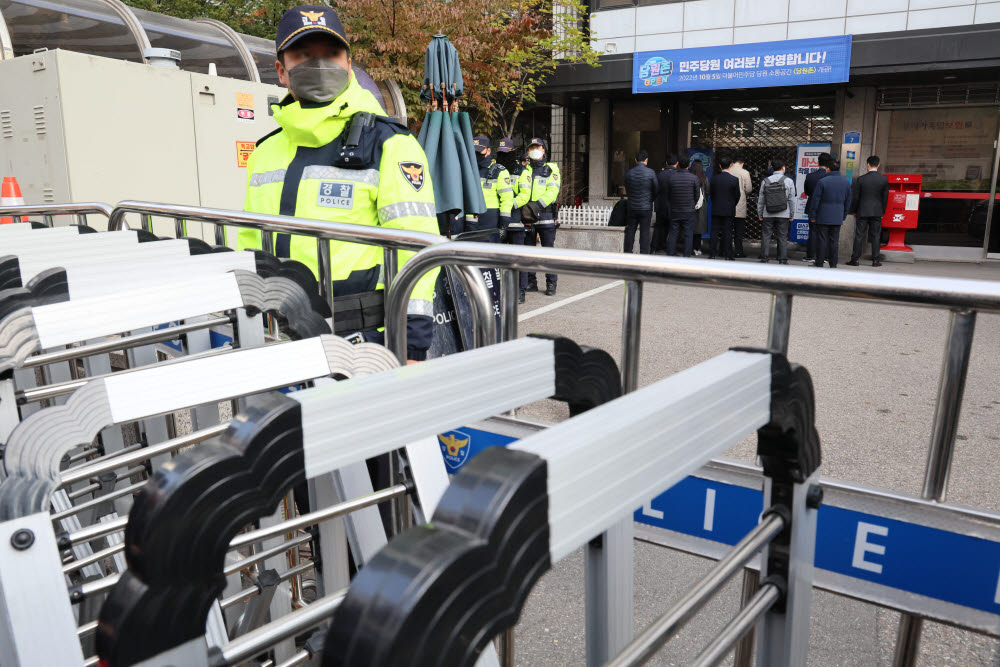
x=850, y=158
x=806, y=162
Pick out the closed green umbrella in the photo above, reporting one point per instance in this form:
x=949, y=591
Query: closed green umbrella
x=446, y=134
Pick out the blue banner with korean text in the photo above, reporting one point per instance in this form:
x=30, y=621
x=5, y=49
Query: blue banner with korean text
x=794, y=62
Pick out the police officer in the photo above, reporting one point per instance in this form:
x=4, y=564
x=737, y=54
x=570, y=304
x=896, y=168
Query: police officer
x=498, y=191
x=515, y=230
x=338, y=157
x=541, y=180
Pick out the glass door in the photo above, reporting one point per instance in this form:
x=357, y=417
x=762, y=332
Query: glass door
x=954, y=150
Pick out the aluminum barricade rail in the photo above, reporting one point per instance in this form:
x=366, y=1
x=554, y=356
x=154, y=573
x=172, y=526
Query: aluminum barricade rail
x=49, y=211
x=963, y=298
x=392, y=240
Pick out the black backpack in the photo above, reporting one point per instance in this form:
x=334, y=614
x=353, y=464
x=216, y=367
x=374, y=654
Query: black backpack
x=775, y=198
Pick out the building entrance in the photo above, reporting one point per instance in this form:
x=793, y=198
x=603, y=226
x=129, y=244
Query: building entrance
x=760, y=131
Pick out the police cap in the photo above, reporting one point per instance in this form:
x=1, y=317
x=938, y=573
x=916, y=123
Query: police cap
x=304, y=20
x=506, y=145
x=481, y=143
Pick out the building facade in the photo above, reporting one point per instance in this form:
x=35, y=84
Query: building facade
x=921, y=90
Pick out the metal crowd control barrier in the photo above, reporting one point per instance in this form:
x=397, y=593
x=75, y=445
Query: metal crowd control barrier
x=49, y=211
x=158, y=608
x=392, y=240
x=513, y=512
x=610, y=623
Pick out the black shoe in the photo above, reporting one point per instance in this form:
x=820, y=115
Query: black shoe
x=763, y=260
x=881, y=257
x=740, y=254
x=876, y=263
x=713, y=257
x=532, y=287
x=782, y=261
x=550, y=289
x=809, y=259
x=520, y=297
x=853, y=262
x=733, y=259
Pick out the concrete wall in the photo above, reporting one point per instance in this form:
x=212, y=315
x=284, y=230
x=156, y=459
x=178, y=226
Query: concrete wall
x=603, y=239
x=597, y=181
x=714, y=22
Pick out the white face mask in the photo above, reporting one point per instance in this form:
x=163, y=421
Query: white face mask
x=536, y=153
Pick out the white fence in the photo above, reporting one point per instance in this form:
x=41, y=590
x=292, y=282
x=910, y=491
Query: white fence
x=595, y=216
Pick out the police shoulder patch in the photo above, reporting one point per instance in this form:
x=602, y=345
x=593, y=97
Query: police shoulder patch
x=413, y=172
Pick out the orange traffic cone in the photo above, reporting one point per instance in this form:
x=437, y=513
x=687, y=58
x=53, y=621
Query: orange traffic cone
x=10, y=195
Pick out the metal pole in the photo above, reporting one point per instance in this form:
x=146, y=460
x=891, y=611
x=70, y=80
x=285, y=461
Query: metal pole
x=81, y=219
x=951, y=387
x=781, y=322
x=288, y=626
x=390, y=267
x=114, y=462
x=124, y=343
x=48, y=221
x=508, y=301
x=248, y=593
x=778, y=333
x=90, y=504
x=720, y=647
x=233, y=568
x=745, y=648
x=147, y=222
x=220, y=235
x=325, y=275
x=325, y=514
x=179, y=228
x=660, y=632
x=631, y=335
x=505, y=648
x=993, y=195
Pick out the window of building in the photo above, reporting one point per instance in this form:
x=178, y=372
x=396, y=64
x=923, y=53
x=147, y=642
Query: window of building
x=953, y=149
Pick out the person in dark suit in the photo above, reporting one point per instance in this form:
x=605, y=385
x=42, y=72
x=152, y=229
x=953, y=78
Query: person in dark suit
x=808, y=187
x=641, y=188
x=828, y=206
x=662, y=224
x=724, y=191
x=869, y=198
x=683, y=189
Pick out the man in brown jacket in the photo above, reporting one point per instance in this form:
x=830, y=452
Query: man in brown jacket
x=740, y=220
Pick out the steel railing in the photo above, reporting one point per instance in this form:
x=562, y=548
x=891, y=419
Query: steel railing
x=49, y=211
x=391, y=240
x=963, y=298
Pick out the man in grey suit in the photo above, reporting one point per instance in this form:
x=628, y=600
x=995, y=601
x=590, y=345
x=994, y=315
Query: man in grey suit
x=869, y=198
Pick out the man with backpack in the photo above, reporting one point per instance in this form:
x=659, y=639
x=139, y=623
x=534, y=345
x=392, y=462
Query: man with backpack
x=776, y=208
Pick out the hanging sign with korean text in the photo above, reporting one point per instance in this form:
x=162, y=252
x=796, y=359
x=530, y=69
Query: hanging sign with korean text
x=793, y=62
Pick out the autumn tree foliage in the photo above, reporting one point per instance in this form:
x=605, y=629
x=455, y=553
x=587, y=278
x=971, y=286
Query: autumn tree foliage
x=507, y=47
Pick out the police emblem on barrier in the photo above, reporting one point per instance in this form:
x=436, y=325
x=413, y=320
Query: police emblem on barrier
x=414, y=173
x=313, y=18
x=454, y=448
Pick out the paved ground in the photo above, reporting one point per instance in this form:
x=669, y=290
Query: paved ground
x=875, y=370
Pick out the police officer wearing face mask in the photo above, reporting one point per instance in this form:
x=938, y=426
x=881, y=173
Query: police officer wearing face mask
x=497, y=190
x=338, y=157
x=541, y=180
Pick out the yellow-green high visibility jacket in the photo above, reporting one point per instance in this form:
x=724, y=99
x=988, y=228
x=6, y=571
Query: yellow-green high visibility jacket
x=541, y=183
x=498, y=190
x=303, y=170
x=520, y=196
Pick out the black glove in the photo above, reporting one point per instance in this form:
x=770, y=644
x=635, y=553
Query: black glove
x=503, y=223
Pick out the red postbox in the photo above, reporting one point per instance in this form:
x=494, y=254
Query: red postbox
x=902, y=210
